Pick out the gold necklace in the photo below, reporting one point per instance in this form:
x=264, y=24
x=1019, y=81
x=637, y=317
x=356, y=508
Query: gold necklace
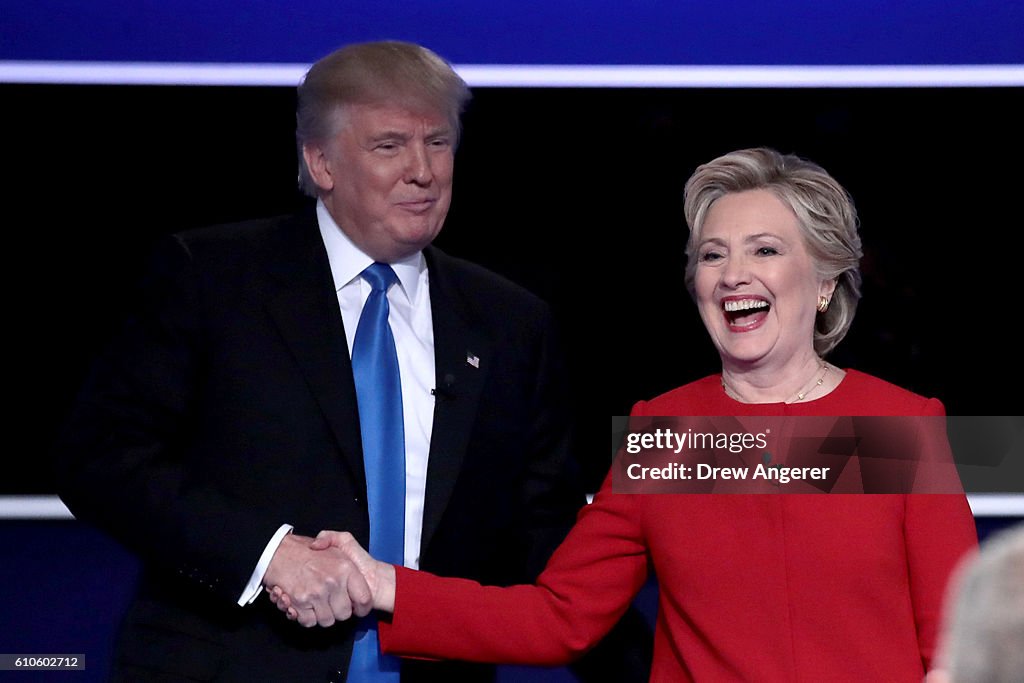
x=799, y=396
x=821, y=380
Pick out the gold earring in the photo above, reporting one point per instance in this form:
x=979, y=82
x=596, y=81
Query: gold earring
x=823, y=302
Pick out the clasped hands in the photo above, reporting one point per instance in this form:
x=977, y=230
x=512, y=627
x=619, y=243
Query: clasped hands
x=322, y=580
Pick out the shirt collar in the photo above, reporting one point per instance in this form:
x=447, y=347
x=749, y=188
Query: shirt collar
x=348, y=261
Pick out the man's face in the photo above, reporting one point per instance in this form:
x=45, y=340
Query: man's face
x=386, y=177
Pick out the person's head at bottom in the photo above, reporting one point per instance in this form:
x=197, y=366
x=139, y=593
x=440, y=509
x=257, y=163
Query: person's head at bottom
x=772, y=262
x=376, y=127
x=983, y=638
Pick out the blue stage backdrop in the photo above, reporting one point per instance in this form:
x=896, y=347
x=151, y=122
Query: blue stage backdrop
x=529, y=32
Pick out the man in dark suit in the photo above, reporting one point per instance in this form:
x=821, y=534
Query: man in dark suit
x=222, y=429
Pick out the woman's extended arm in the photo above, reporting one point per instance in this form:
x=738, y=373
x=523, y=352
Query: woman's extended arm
x=585, y=588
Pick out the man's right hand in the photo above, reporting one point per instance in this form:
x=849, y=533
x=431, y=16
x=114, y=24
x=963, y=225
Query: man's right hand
x=323, y=584
x=378, y=578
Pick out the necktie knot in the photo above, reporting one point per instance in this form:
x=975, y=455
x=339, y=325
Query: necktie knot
x=380, y=276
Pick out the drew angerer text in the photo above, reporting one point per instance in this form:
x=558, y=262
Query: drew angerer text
x=700, y=471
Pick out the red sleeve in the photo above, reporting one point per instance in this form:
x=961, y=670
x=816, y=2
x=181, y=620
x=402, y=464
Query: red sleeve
x=939, y=531
x=587, y=585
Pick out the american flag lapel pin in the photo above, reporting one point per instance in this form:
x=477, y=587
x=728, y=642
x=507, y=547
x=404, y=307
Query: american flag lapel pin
x=473, y=359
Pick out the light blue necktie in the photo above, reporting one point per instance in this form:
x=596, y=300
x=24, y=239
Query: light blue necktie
x=379, y=394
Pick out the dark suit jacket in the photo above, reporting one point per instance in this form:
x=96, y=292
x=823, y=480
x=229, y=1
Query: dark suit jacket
x=226, y=407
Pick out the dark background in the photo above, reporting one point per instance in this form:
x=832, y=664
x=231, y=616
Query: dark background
x=574, y=193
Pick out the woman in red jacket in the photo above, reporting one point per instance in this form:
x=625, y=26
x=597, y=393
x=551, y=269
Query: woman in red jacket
x=751, y=587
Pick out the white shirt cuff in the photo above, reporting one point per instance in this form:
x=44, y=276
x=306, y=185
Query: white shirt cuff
x=255, y=585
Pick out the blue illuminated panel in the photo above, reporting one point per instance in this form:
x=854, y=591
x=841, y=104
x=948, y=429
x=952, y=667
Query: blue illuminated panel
x=533, y=32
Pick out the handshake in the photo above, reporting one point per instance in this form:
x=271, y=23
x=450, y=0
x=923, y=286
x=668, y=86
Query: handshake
x=322, y=580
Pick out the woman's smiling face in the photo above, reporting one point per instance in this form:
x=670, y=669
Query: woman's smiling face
x=756, y=285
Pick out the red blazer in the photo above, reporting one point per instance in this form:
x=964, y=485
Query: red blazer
x=751, y=587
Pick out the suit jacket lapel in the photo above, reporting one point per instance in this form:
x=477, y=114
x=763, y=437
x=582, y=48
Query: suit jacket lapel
x=461, y=356
x=303, y=304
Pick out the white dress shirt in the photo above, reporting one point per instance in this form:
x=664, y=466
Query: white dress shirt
x=412, y=327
